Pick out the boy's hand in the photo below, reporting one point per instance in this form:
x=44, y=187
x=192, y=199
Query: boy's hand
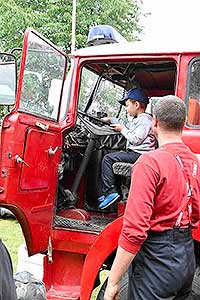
x=106, y=119
x=117, y=127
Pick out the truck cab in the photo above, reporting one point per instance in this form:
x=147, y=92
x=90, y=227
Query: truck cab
x=53, y=141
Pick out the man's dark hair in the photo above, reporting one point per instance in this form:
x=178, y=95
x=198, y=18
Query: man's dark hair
x=170, y=111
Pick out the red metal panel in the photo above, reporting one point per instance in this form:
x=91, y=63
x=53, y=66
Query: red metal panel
x=33, y=207
x=73, y=241
x=77, y=258
x=41, y=164
x=62, y=277
x=192, y=139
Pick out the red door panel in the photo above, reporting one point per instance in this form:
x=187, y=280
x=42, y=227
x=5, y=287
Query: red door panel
x=31, y=141
x=41, y=164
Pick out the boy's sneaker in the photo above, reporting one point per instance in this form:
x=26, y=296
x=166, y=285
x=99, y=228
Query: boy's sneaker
x=101, y=199
x=109, y=200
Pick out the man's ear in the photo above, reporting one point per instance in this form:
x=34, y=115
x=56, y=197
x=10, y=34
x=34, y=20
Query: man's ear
x=154, y=122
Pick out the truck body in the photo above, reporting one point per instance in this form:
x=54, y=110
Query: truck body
x=53, y=141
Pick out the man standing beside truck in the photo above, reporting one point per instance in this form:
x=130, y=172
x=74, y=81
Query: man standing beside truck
x=163, y=206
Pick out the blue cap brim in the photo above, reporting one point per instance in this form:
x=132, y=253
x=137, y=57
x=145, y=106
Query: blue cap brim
x=123, y=100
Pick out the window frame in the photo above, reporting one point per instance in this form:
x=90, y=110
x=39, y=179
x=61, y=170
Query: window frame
x=188, y=80
x=55, y=50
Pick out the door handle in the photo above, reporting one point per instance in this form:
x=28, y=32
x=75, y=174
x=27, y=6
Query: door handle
x=52, y=151
x=19, y=160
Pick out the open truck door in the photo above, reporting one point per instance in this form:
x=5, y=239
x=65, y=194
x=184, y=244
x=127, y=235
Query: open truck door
x=31, y=141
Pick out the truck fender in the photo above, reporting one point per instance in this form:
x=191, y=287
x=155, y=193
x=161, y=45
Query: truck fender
x=196, y=233
x=103, y=246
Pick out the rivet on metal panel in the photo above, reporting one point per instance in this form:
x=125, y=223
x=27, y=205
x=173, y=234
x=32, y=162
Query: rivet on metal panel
x=3, y=173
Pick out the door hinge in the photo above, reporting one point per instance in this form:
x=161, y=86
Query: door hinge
x=43, y=126
x=49, y=252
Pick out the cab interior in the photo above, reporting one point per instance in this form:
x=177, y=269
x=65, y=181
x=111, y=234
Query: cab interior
x=101, y=85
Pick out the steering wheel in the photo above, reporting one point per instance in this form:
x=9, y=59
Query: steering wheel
x=97, y=130
x=103, y=123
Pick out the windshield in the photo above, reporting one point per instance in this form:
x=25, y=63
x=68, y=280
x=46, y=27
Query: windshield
x=98, y=96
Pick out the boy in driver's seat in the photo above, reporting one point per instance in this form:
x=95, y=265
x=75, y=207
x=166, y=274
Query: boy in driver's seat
x=140, y=139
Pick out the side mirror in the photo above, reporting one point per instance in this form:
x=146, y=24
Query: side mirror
x=8, y=76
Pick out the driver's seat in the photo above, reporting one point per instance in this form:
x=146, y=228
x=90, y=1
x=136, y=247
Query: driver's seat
x=123, y=169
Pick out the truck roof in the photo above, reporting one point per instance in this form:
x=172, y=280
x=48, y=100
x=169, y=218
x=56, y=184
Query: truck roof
x=129, y=48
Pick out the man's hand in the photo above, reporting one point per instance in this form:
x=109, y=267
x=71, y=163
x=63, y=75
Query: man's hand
x=120, y=265
x=111, y=292
x=117, y=127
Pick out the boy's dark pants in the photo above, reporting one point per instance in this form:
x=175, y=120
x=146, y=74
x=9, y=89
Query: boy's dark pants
x=107, y=175
x=164, y=267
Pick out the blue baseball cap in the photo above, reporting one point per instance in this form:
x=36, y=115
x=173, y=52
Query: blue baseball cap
x=136, y=94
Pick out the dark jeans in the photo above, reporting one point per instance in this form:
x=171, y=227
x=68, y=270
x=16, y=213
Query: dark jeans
x=164, y=267
x=7, y=285
x=107, y=175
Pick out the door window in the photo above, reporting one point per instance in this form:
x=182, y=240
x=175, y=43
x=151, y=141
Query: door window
x=193, y=102
x=42, y=81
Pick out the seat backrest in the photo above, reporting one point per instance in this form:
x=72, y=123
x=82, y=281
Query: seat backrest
x=152, y=102
x=193, y=112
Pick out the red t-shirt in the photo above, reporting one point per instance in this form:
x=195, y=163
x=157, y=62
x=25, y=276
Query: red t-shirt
x=158, y=193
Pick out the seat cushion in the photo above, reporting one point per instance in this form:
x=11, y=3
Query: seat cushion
x=122, y=169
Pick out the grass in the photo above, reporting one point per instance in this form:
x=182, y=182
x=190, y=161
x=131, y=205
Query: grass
x=12, y=236
x=103, y=276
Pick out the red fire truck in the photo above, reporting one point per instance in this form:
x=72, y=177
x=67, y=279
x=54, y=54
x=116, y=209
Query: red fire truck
x=53, y=141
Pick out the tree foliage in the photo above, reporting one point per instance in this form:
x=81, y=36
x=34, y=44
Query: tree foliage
x=52, y=18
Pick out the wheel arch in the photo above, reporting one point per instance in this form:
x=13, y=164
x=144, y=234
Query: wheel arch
x=103, y=248
x=24, y=224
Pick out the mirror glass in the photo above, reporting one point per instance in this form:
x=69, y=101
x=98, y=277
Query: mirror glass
x=7, y=79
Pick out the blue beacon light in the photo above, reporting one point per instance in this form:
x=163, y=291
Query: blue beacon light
x=104, y=34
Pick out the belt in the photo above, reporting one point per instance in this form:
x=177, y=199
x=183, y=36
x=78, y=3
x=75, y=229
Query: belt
x=174, y=233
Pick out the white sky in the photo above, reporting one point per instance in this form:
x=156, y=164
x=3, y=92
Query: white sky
x=174, y=21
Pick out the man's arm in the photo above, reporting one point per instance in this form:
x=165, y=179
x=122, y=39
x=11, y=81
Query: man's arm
x=120, y=265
